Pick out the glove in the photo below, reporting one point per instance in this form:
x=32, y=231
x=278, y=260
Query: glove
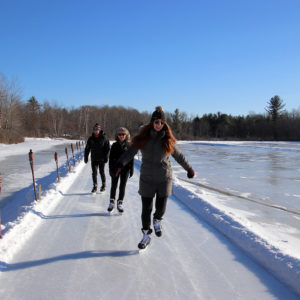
x=131, y=173
x=86, y=160
x=190, y=173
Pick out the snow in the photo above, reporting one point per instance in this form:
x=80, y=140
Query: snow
x=214, y=246
x=38, y=144
x=79, y=251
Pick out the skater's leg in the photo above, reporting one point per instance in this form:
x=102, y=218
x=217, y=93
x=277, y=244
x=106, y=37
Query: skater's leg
x=160, y=207
x=113, y=188
x=122, y=187
x=102, y=173
x=147, y=205
x=94, y=165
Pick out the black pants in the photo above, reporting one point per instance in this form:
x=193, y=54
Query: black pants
x=114, y=184
x=95, y=166
x=147, y=205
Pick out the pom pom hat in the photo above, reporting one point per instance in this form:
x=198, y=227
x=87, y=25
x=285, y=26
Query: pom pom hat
x=96, y=127
x=158, y=114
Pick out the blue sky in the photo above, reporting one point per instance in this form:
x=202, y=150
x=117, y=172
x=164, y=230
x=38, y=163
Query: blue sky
x=200, y=56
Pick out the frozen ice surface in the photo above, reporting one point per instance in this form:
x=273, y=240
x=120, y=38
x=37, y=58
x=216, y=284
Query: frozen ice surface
x=267, y=172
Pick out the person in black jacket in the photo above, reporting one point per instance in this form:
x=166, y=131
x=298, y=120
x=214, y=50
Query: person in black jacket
x=99, y=146
x=117, y=149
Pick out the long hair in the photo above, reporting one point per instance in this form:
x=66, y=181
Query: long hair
x=140, y=140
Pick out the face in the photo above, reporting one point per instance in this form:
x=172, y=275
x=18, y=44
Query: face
x=158, y=124
x=96, y=131
x=121, y=136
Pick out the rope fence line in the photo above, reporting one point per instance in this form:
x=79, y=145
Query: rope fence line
x=239, y=196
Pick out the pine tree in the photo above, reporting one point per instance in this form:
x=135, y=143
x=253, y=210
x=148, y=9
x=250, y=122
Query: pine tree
x=275, y=109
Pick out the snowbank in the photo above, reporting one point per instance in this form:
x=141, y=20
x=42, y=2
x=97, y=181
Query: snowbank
x=282, y=266
x=25, y=225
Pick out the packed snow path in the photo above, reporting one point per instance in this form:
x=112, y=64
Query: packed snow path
x=81, y=252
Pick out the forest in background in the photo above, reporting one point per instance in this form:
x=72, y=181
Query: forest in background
x=32, y=118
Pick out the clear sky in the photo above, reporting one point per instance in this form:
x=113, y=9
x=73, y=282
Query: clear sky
x=200, y=56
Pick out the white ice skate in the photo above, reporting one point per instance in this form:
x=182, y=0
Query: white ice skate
x=146, y=239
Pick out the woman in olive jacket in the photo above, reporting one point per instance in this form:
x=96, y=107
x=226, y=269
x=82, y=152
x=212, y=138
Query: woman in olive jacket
x=117, y=149
x=156, y=143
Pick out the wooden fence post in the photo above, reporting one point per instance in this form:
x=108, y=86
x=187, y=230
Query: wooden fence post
x=31, y=159
x=67, y=154
x=56, y=161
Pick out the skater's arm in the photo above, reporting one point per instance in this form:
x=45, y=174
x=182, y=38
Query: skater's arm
x=87, y=150
x=107, y=150
x=180, y=158
x=127, y=156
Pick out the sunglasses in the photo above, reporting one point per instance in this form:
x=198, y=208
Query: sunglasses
x=159, y=122
x=121, y=134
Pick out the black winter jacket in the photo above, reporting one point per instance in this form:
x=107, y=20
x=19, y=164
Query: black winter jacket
x=117, y=149
x=98, y=146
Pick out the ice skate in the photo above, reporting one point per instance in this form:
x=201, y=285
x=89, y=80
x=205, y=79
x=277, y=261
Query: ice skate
x=111, y=205
x=102, y=189
x=157, y=227
x=146, y=239
x=94, y=190
x=120, y=206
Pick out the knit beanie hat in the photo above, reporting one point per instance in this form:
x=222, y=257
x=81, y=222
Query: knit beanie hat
x=96, y=127
x=158, y=114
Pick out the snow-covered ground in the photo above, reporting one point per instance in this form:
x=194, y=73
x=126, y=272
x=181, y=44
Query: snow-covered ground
x=17, y=189
x=38, y=144
x=79, y=251
x=192, y=255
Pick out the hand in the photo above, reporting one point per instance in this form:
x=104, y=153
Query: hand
x=86, y=160
x=190, y=173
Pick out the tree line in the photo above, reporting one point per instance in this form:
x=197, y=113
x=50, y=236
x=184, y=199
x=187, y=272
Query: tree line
x=32, y=118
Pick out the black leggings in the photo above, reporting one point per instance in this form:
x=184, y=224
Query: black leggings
x=95, y=166
x=147, y=205
x=114, y=185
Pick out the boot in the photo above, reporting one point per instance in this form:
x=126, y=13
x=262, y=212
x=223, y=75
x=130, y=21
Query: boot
x=146, y=239
x=157, y=227
x=111, y=205
x=120, y=206
x=94, y=190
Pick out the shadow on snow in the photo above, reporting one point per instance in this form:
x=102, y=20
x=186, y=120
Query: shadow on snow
x=5, y=267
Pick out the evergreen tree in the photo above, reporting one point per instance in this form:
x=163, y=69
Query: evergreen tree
x=275, y=109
